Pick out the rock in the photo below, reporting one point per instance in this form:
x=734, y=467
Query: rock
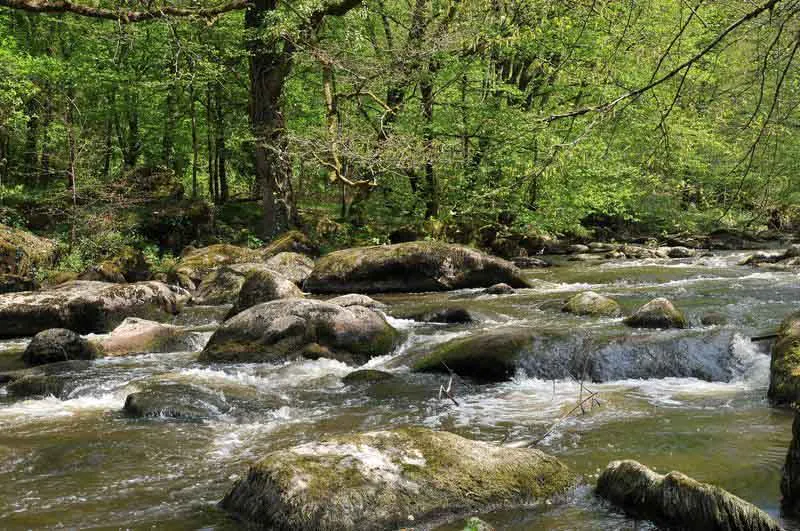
x=678, y=501
x=410, y=267
x=487, y=356
x=500, y=289
x=681, y=252
x=616, y=255
x=389, y=480
x=444, y=315
x=294, y=266
x=476, y=524
x=56, y=278
x=529, y=262
x=177, y=401
x=196, y=264
x=291, y=242
x=584, y=257
x=354, y=299
x=15, y=284
x=601, y=247
x=784, y=369
x=301, y=327
x=591, y=303
x=222, y=286
x=57, y=344
x=22, y=253
x=263, y=286
x=658, y=313
x=714, y=319
x=367, y=376
x=53, y=379
x=790, y=474
x=577, y=249
x=792, y=252
x=129, y=265
x=84, y=306
x=761, y=257
x=135, y=336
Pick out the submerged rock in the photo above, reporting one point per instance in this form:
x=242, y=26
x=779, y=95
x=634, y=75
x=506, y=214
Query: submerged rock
x=444, y=315
x=134, y=336
x=390, y=480
x=85, y=306
x=591, y=303
x=790, y=474
x=714, y=319
x=678, y=501
x=529, y=262
x=367, y=375
x=57, y=344
x=784, y=369
x=410, y=267
x=293, y=266
x=489, y=356
x=263, y=286
x=658, y=313
x=500, y=289
x=354, y=299
x=301, y=327
x=53, y=379
x=178, y=401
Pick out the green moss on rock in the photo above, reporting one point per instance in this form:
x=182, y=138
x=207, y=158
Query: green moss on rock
x=784, y=371
x=388, y=479
x=594, y=304
x=490, y=355
x=658, y=313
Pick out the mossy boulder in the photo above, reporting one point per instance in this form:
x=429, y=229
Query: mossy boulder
x=486, y=356
x=176, y=401
x=500, y=288
x=293, y=241
x=790, y=474
x=16, y=283
x=658, y=313
x=594, y=304
x=196, y=264
x=294, y=266
x=367, y=376
x=390, y=480
x=354, y=299
x=135, y=336
x=410, y=267
x=57, y=344
x=676, y=501
x=263, y=286
x=222, y=286
x=309, y=328
x=680, y=252
x=129, y=265
x=784, y=370
x=22, y=253
x=85, y=306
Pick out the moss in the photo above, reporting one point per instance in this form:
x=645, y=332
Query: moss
x=591, y=303
x=487, y=356
x=293, y=241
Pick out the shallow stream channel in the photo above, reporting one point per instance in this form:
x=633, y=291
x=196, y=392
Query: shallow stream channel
x=692, y=400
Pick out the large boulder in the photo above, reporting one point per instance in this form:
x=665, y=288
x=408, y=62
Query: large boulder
x=129, y=265
x=196, y=264
x=390, y=480
x=790, y=474
x=410, y=267
x=354, y=299
x=135, y=336
x=488, y=356
x=594, y=304
x=22, y=253
x=301, y=327
x=174, y=400
x=784, y=370
x=264, y=286
x=294, y=266
x=291, y=242
x=677, y=501
x=222, y=285
x=658, y=313
x=85, y=306
x=57, y=344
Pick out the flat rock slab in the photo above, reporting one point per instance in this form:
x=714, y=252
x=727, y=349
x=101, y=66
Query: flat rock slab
x=390, y=480
x=86, y=306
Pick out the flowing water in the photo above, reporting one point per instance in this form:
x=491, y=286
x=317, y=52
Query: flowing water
x=76, y=461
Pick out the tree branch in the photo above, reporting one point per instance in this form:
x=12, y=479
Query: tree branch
x=125, y=17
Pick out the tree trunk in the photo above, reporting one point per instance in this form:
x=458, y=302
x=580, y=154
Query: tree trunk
x=270, y=64
x=222, y=174
x=431, y=186
x=31, y=154
x=212, y=169
x=168, y=142
x=193, y=112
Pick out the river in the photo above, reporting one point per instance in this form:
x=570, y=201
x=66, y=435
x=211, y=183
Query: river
x=77, y=462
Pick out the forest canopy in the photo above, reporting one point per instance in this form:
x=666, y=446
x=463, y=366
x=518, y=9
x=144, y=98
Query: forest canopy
x=356, y=119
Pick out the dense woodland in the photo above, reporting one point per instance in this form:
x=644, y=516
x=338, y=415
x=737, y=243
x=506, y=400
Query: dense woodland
x=162, y=125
